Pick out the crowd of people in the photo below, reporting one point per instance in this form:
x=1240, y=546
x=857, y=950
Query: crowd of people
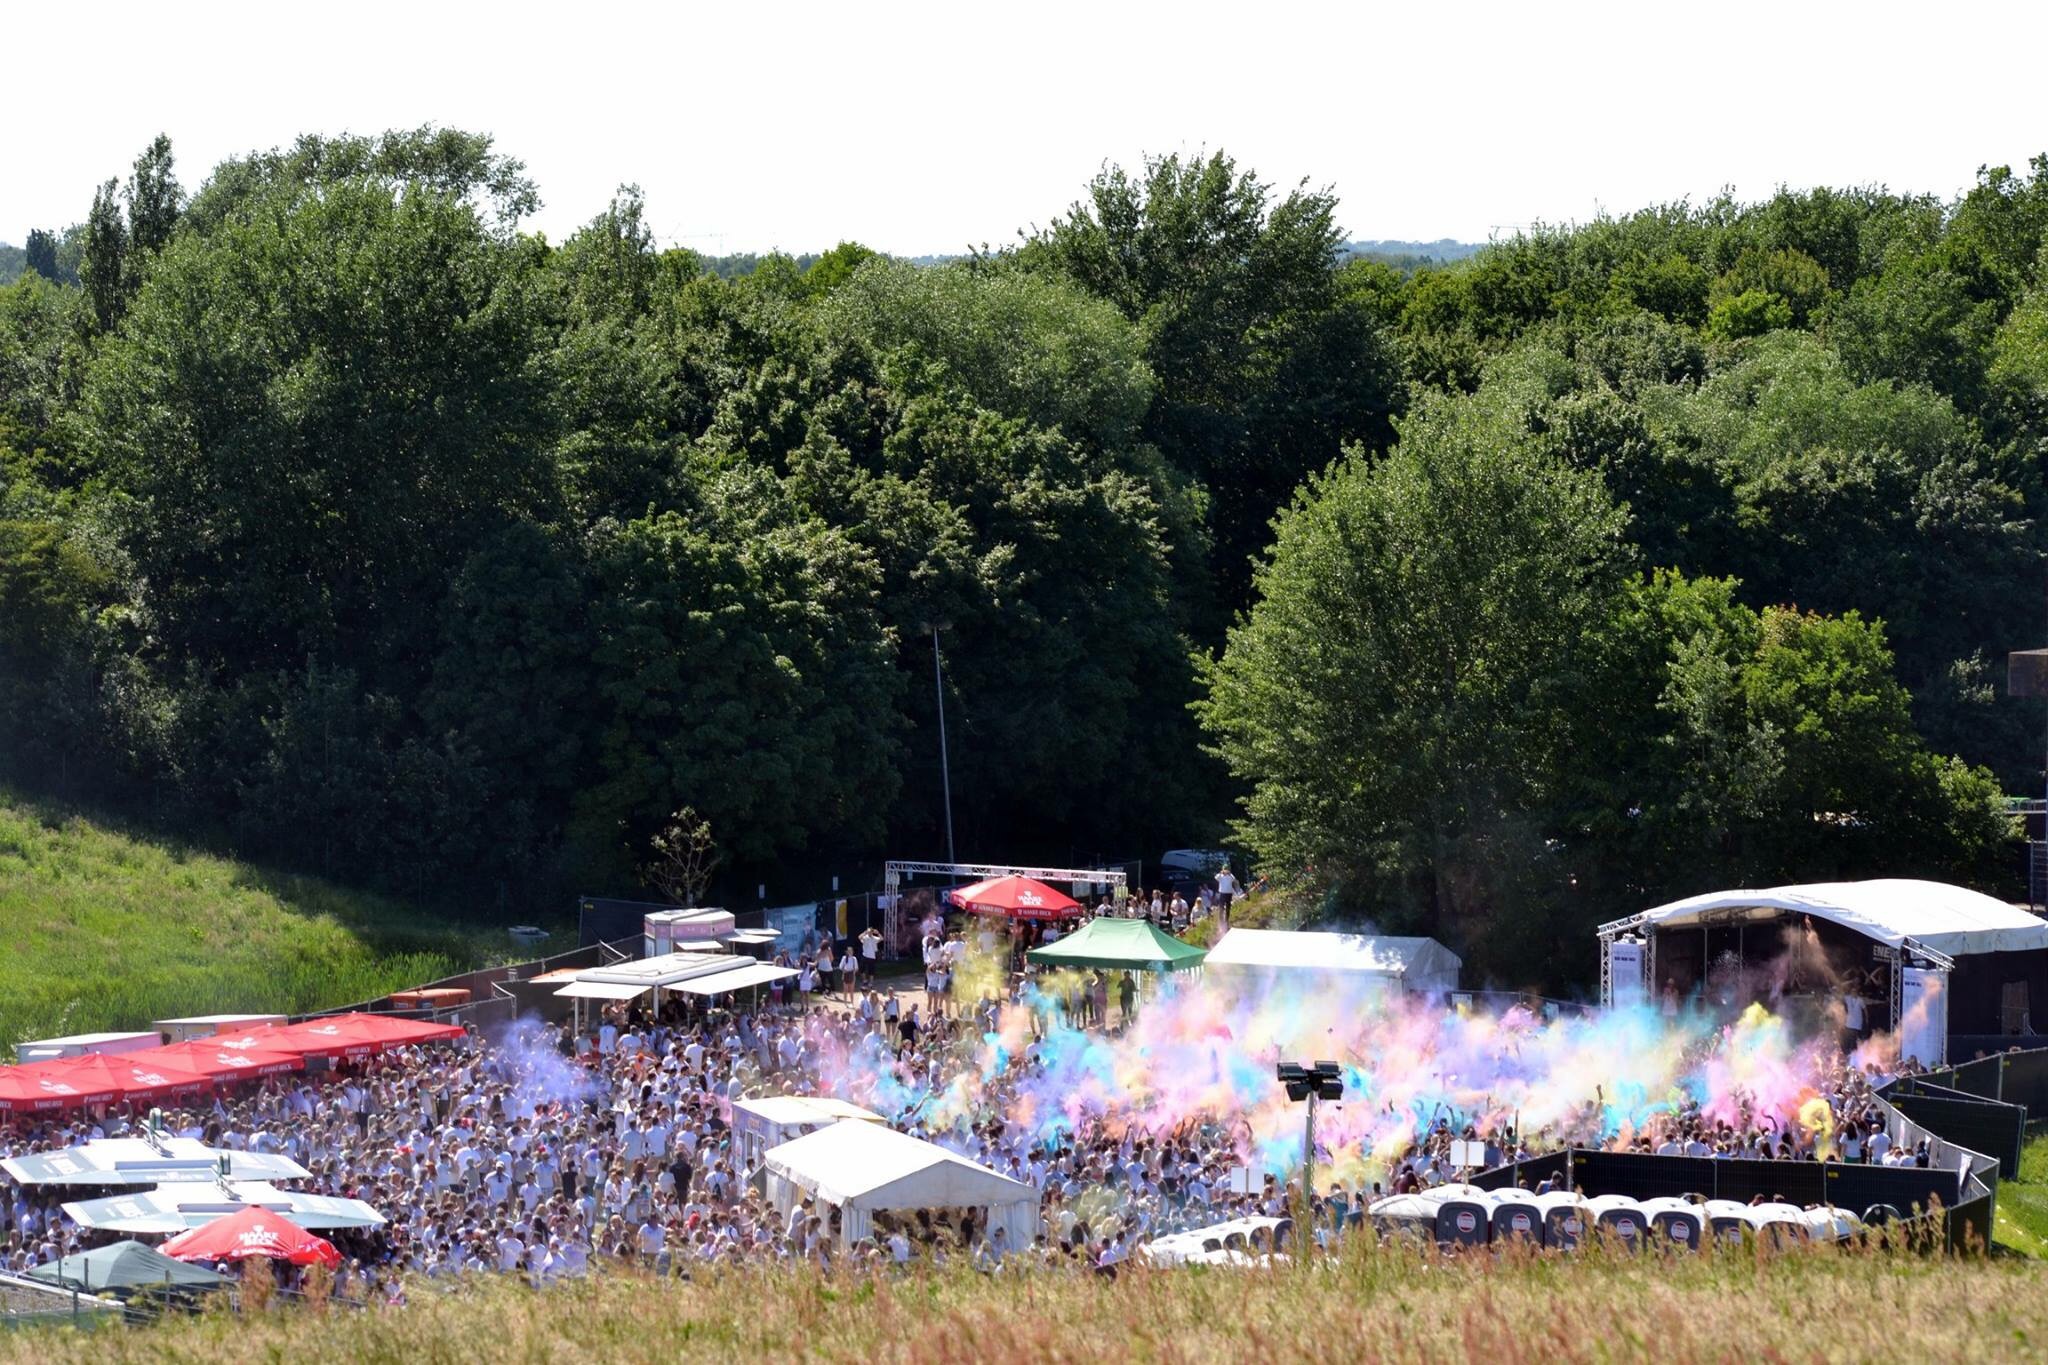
x=542, y=1152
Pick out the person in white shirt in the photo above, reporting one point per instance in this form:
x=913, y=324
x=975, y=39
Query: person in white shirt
x=871, y=944
x=899, y=1247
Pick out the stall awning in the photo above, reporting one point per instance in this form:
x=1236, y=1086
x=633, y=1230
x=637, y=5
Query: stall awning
x=738, y=979
x=603, y=990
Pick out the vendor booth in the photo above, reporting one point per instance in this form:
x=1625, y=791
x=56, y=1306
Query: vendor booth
x=676, y=931
x=861, y=1169
x=1415, y=966
x=1923, y=958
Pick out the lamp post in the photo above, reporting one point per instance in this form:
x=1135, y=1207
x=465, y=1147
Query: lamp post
x=945, y=767
x=1323, y=1081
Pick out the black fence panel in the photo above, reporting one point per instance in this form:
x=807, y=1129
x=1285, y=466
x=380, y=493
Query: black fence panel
x=1997, y=1130
x=599, y=920
x=1534, y=1171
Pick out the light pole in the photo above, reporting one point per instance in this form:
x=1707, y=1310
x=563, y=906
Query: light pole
x=945, y=767
x=1323, y=1081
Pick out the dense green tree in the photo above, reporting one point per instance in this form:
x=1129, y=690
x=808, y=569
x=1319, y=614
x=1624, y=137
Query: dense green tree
x=740, y=667
x=1265, y=367
x=103, y=270
x=40, y=255
x=315, y=410
x=446, y=162
x=1404, y=691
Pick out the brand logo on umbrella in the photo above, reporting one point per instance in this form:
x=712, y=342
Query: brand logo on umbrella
x=1030, y=898
x=56, y=1088
x=258, y=1239
x=230, y=1059
x=149, y=1077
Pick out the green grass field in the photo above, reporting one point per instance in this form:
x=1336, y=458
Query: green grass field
x=2022, y=1223
x=1364, y=1306
x=106, y=929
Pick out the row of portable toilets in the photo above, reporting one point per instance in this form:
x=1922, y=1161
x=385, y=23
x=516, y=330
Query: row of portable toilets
x=1465, y=1215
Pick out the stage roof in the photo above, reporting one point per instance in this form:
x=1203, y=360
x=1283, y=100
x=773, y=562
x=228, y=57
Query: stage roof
x=1948, y=919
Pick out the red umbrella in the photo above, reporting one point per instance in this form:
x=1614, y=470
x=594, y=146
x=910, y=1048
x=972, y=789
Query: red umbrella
x=255, y=1231
x=62, y=1082
x=206, y=1057
x=54, y=1084
x=1014, y=897
x=342, y=1035
x=391, y=1030
x=142, y=1077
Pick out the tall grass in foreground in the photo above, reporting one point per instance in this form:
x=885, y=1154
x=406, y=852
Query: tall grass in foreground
x=1365, y=1305
x=100, y=929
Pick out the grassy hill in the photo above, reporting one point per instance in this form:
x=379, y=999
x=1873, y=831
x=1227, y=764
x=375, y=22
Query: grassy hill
x=106, y=929
x=1395, y=1305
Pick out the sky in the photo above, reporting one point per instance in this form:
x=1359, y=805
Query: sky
x=924, y=128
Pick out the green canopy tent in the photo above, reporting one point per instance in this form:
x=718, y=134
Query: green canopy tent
x=1124, y=945
x=125, y=1265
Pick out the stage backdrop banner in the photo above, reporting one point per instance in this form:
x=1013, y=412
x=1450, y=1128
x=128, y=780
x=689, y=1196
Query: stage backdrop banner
x=1625, y=963
x=1923, y=1015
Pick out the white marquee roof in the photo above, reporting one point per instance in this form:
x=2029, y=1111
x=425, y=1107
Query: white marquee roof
x=1423, y=963
x=666, y=970
x=1948, y=919
x=872, y=1167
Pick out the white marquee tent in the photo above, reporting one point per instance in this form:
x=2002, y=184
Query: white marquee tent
x=1420, y=965
x=178, y=1208
x=861, y=1168
x=772, y=1120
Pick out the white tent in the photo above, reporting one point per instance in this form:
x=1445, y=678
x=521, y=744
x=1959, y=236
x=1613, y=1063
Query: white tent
x=177, y=1208
x=1949, y=919
x=740, y=978
x=144, y=1161
x=773, y=1120
x=1412, y=964
x=863, y=1167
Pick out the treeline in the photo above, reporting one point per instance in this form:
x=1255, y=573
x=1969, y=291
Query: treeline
x=345, y=522
x=1697, y=558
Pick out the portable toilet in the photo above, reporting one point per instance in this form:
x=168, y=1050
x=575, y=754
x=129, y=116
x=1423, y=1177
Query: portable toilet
x=1464, y=1219
x=1404, y=1218
x=1676, y=1223
x=1517, y=1217
x=1566, y=1221
x=1727, y=1221
x=1826, y=1223
x=1783, y=1224
x=1621, y=1217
